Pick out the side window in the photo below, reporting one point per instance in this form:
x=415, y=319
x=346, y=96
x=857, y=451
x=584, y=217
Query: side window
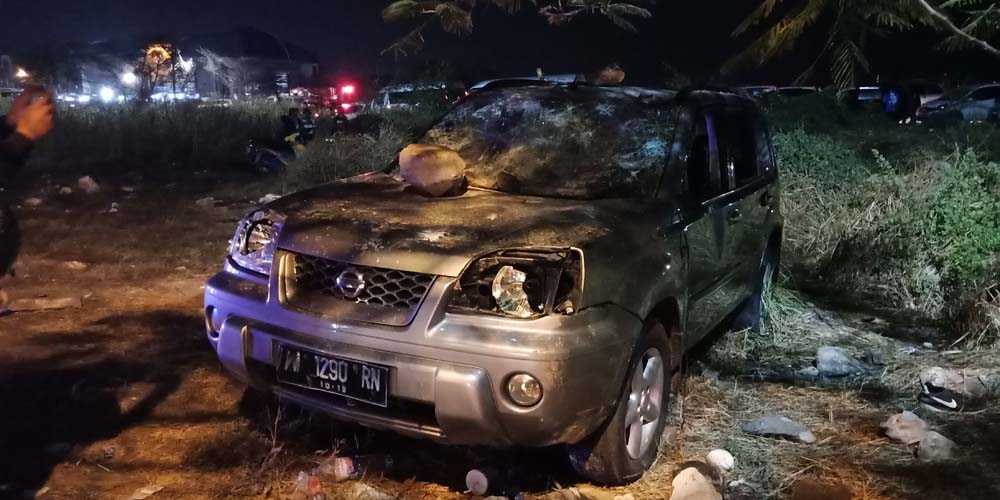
x=702, y=161
x=762, y=141
x=738, y=140
x=985, y=94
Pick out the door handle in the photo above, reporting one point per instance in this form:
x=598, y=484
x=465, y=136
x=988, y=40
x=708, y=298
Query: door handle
x=735, y=216
x=766, y=199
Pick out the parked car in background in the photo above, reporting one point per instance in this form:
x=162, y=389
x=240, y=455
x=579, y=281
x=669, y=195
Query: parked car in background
x=797, y=91
x=860, y=96
x=600, y=232
x=975, y=102
x=924, y=90
x=411, y=95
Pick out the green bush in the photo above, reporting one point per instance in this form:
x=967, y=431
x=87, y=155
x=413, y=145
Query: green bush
x=336, y=156
x=896, y=216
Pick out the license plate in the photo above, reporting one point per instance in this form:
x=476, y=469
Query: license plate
x=345, y=377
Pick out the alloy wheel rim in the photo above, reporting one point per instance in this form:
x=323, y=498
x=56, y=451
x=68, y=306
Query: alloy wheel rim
x=645, y=403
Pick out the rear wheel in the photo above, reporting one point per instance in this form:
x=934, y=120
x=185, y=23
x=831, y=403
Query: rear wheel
x=629, y=442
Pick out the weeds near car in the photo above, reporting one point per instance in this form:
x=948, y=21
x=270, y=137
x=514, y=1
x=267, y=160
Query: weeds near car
x=900, y=217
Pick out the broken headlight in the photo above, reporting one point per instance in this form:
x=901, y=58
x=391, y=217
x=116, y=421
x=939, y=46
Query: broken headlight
x=521, y=283
x=256, y=239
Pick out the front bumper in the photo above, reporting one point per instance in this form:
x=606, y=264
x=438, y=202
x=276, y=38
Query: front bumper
x=447, y=371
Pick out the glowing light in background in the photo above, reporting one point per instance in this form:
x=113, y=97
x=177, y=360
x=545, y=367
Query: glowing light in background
x=129, y=78
x=347, y=89
x=21, y=74
x=107, y=94
x=84, y=99
x=186, y=64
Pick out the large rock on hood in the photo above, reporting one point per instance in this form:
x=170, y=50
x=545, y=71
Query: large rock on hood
x=432, y=170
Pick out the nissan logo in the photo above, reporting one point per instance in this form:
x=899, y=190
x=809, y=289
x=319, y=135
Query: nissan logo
x=351, y=283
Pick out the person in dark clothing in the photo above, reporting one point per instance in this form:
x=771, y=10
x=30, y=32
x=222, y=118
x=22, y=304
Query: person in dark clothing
x=29, y=119
x=290, y=123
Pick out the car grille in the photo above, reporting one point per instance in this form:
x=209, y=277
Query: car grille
x=360, y=284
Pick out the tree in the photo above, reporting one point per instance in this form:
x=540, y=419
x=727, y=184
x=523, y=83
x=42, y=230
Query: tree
x=848, y=25
x=154, y=68
x=455, y=16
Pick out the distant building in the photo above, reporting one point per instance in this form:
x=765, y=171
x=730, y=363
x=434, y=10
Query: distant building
x=236, y=64
x=248, y=61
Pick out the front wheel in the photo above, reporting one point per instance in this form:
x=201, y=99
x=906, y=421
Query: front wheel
x=629, y=442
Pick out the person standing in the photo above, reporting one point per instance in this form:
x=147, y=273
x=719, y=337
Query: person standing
x=30, y=118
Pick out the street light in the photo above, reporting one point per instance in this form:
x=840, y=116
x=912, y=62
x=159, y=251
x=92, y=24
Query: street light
x=21, y=74
x=107, y=94
x=129, y=78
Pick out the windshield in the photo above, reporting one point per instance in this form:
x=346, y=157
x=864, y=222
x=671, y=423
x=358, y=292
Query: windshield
x=956, y=94
x=563, y=141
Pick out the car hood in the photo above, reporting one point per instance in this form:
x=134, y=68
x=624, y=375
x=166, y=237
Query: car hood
x=939, y=103
x=377, y=220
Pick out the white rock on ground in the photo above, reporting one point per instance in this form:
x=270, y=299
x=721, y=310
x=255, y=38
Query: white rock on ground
x=75, y=265
x=88, y=184
x=837, y=362
x=905, y=427
x=969, y=382
x=431, y=170
x=268, y=198
x=934, y=447
x=34, y=201
x=65, y=190
x=207, y=202
x=782, y=426
x=690, y=484
x=721, y=460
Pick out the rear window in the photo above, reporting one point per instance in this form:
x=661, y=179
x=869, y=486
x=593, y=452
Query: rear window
x=561, y=141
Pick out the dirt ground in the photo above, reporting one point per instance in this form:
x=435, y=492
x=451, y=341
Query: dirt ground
x=125, y=392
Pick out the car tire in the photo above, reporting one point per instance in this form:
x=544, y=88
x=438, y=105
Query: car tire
x=606, y=457
x=753, y=314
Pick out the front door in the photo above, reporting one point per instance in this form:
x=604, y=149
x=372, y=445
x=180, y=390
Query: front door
x=705, y=233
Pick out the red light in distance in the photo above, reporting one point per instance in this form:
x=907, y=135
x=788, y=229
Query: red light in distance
x=347, y=89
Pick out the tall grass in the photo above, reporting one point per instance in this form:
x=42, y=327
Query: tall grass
x=181, y=134
x=902, y=217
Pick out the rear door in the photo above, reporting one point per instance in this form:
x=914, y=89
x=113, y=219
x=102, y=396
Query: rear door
x=705, y=232
x=746, y=164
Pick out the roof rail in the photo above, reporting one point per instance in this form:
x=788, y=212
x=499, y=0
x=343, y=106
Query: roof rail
x=685, y=92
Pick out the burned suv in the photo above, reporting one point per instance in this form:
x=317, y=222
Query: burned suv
x=600, y=232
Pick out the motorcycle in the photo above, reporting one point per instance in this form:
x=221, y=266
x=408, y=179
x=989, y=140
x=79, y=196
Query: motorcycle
x=270, y=157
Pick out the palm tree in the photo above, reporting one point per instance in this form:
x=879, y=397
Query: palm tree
x=848, y=25
x=455, y=16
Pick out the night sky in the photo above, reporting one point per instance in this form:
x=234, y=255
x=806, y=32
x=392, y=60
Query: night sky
x=348, y=36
